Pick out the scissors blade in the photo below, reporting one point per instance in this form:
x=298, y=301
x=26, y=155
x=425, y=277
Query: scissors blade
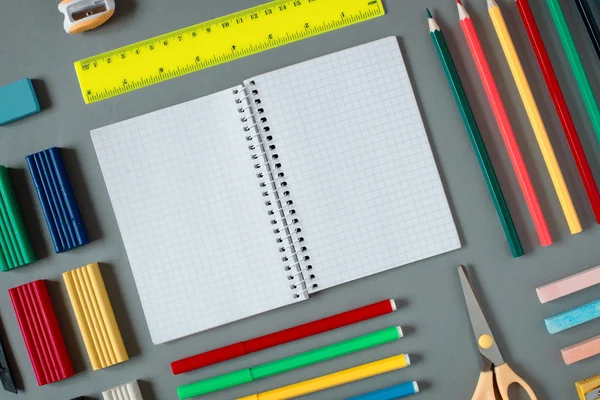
x=486, y=365
x=478, y=321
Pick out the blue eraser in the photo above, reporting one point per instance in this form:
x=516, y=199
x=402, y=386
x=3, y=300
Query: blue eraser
x=17, y=100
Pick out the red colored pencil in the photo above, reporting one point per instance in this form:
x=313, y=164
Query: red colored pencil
x=285, y=336
x=506, y=130
x=560, y=104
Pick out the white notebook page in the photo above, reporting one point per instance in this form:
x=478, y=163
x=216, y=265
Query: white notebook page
x=358, y=162
x=192, y=218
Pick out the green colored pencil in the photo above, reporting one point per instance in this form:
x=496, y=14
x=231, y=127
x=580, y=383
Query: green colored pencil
x=576, y=65
x=248, y=375
x=485, y=163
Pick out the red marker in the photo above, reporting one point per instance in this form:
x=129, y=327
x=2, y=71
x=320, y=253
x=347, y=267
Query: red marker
x=285, y=336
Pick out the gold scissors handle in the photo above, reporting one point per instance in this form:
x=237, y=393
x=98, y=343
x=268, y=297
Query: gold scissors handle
x=506, y=377
x=485, y=387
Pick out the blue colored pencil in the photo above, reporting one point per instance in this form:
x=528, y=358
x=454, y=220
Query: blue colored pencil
x=390, y=393
x=574, y=317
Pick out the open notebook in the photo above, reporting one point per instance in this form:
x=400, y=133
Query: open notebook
x=256, y=197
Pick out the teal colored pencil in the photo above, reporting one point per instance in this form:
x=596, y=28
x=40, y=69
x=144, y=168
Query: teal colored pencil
x=248, y=375
x=483, y=158
x=576, y=65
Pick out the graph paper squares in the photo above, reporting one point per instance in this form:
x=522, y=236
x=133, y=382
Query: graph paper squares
x=357, y=163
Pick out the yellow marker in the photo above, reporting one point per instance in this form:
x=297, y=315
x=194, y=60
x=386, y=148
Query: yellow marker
x=535, y=118
x=216, y=42
x=333, y=380
x=95, y=316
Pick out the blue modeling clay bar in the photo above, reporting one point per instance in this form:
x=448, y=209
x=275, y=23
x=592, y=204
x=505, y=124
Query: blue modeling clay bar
x=17, y=100
x=57, y=199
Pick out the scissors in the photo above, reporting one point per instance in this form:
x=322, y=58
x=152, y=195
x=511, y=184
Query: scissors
x=493, y=363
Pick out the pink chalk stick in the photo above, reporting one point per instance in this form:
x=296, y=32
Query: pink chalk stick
x=581, y=351
x=569, y=285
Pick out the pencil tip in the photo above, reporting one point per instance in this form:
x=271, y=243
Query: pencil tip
x=462, y=12
x=433, y=26
x=429, y=13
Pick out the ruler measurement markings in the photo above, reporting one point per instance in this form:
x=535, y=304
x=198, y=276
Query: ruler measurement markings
x=164, y=57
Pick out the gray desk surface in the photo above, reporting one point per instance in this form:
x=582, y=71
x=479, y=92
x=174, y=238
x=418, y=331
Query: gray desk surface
x=33, y=44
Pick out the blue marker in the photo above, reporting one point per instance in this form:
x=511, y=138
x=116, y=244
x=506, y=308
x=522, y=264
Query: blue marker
x=390, y=393
x=574, y=317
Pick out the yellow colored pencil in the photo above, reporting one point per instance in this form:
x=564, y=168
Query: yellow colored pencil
x=534, y=117
x=332, y=380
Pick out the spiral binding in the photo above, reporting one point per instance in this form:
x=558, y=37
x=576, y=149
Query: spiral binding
x=275, y=187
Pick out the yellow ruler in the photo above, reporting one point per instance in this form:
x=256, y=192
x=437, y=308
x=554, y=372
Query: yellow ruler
x=216, y=42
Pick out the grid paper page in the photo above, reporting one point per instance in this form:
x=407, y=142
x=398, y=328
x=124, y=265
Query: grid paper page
x=358, y=162
x=190, y=211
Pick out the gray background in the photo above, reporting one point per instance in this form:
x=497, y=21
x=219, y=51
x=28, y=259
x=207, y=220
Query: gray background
x=439, y=338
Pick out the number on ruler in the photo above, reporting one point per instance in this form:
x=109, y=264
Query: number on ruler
x=180, y=62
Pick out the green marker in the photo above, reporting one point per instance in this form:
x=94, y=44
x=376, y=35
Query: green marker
x=290, y=363
x=576, y=65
